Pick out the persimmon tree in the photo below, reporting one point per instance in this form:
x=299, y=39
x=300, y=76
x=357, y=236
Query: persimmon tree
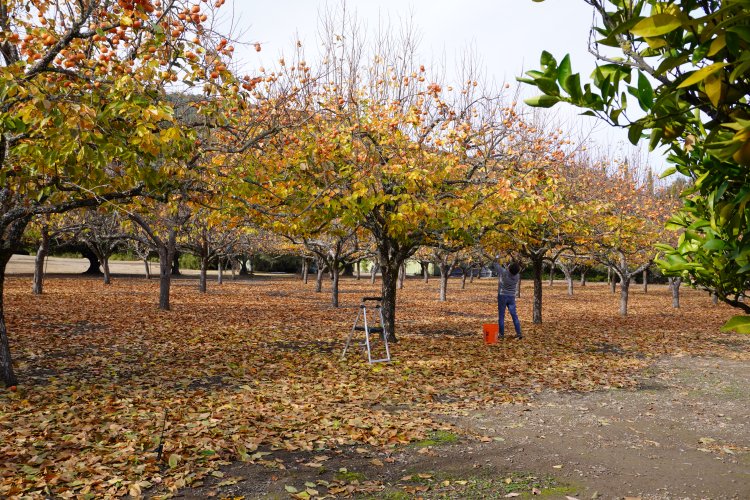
x=385, y=148
x=44, y=230
x=628, y=224
x=687, y=65
x=543, y=215
x=209, y=235
x=100, y=231
x=84, y=114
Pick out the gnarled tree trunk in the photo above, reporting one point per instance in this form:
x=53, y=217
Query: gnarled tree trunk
x=551, y=274
x=389, y=273
x=335, y=272
x=319, y=278
x=105, y=269
x=93, y=269
x=624, y=288
x=445, y=270
x=6, y=361
x=425, y=271
x=536, y=263
x=41, y=256
x=674, y=285
x=165, y=277
x=204, y=271
x=645, y=281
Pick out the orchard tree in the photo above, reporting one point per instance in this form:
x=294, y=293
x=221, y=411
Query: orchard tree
x=545, y=214
x=101, y=231
x=84, y=114
x=628, y=224
x=209, y=235
x=687, y=65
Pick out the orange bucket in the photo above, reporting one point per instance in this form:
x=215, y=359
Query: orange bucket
x=490, y=331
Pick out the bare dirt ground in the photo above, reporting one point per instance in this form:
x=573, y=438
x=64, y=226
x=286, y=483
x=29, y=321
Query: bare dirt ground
x=683, y=433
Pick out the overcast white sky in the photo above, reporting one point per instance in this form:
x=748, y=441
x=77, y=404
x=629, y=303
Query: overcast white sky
x=508, y=36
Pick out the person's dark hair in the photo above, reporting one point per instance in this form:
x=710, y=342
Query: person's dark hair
x=514, y=268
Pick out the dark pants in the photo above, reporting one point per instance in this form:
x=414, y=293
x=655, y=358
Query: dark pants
x=508, y=301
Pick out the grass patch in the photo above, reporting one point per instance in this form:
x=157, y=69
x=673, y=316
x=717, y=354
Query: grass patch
x=349, y=476
x=477, y=487
x=437, y=438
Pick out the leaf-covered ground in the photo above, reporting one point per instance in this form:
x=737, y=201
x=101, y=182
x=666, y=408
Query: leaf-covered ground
x=255, y=365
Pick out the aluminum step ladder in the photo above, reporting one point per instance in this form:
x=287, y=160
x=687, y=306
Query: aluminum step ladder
x=379, y=331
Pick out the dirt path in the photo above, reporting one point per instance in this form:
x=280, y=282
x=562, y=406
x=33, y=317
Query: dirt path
x=683, y=434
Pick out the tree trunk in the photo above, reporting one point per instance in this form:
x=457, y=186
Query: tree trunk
x=389, y=273
x=220, y=272
x=105, y=269
x=319, y=279
x=537, y=269
x=518, y=288
x=401, y=276
x=714, y=298
x=645, y=281
x=373, y=271
x=569, y=279
x=41, y=256
x=425, y=271
x=471, y=274
x=6, y=362
x=148, y=268
x=93, y=269
x=674, y=284
x=335, y=284
x=204, y=272
x=583, y=277
x=444, y=272
x=165, y=277
x=463, y=279
x=359, y=270
x=624, y=288
x=305, y=270
x=243, y=266
x=612, y=281
x=176, y=264
x=552, y=274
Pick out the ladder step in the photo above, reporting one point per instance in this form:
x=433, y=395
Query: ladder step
x=373, y=329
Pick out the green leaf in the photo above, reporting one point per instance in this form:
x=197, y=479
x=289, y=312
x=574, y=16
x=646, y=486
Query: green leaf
x=173, y=460
x=547, y=61
x=668, y=172
x=634, y=132
x=572, y=86
x=542, y=101
x=564, y=70
x=714, y=245
x=739, y=324
x=656, y=25
x=701, y=74
x=290, y=489
x=645, y=92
